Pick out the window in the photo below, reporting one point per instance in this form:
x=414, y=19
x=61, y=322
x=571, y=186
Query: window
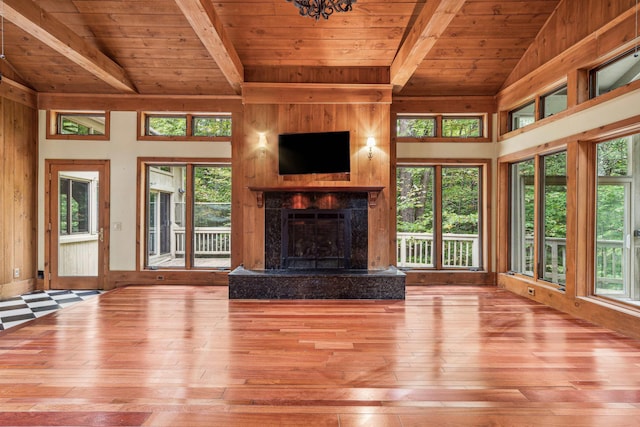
x=74, y=206
x=548, y=220
x=522, y=217
x=188, y=216
x=462, y=127
x=416, y=127
x=439, y=217
x=166, y=126
x=553, y=245
x=614, y=74
x=617, y=246
x=187, y=126
x=553, y=102
x=522, y=116
x=439, y=128
x=77, y=125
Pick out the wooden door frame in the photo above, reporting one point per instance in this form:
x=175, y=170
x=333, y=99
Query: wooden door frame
x=50, y=254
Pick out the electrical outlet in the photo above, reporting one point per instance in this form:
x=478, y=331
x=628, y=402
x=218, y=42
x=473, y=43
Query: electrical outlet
x=16, y=272
x=531, y=291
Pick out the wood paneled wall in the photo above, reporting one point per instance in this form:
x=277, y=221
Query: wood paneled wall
x=572, y=22
x=18, y=197
x=257, y=166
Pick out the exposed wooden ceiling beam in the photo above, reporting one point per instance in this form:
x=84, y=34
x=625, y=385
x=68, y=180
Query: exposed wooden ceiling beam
x=31, y=18
x=435, y=17
x=205, y=22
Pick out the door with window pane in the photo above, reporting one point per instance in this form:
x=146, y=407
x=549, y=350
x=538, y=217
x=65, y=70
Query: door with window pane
x=522, y=217
x=77, y=224
x=617, y=175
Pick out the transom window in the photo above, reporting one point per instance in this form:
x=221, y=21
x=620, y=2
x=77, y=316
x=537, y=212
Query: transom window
x=187, y=126
x=553, y=102
x=522, y=116
x=77, y=125
x=438, y=127
x=614, y=74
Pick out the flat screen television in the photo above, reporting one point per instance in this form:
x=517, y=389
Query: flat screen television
x=314, y=152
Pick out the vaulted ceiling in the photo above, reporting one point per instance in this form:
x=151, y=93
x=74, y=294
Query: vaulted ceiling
x=211, y=47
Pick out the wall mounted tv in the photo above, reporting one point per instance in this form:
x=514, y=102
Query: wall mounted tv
x=314, y=152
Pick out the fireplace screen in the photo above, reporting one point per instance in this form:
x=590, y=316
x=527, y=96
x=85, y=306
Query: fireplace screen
x=316, y=239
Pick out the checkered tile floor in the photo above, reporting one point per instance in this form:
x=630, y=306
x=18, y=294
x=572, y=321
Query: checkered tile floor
x=21, y=309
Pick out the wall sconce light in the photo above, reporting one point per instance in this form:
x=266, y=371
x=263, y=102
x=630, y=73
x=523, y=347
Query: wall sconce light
x=262, y=143
x=371, y=142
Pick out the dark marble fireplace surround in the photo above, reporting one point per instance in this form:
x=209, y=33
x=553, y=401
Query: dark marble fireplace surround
x=314, y=277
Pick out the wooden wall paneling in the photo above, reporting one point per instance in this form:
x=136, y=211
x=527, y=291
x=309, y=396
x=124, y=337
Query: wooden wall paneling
x=570, y=24
x=6, y=205
x=237, y=190
x=503, y=199
x=584, y=199
x=18, y=174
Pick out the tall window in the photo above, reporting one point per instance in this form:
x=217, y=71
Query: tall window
x=188, y=216
x=617, y=246
x=548, y=220
x=522, y=217
x=553, y=245
x=439, y=216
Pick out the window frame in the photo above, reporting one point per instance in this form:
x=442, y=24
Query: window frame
x=521, y=107
x=187, y=192
x=537, y=275
x=53, y=120
x=485, y=129
x=543, y=97
x=68, y=214
x=593, y=78
x=143, y=121
x=484, y=196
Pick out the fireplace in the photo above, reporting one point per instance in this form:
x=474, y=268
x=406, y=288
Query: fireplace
x=316, y=247
x=315, y=230
x=316, y=239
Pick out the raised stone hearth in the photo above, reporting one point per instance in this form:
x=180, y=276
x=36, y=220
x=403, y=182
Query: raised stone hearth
x=316, y=247
x=316, y=284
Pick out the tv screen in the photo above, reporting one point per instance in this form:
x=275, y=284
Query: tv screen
x=315, y=152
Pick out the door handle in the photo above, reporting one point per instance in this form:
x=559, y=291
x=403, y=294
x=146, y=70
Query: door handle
x=101, y=234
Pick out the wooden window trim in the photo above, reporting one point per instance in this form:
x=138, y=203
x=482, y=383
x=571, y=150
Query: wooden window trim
x=142, y=121
x=52, y=126
x=484, y=120
x=485, y=214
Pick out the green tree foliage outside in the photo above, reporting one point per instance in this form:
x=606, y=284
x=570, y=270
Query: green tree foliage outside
x=177, y=125
x=462, y=127
x=212, y=196
x=416, y=127
x=460, y=205
x=453, y=127
x=612, y=161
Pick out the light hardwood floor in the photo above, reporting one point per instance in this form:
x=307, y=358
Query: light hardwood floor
x=187, y=356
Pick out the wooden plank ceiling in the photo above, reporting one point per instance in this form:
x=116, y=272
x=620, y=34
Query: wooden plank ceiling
x=210, y=47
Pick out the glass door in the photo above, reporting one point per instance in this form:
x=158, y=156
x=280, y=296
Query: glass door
x=77, y=225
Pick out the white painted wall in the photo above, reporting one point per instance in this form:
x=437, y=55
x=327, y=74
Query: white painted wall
x=123, y=151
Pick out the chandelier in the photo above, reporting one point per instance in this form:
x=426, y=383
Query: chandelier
x=317, y=8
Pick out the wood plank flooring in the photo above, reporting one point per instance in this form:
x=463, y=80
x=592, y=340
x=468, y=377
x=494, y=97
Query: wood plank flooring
x=187, y=356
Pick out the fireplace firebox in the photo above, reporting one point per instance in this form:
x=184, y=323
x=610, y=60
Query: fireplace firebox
x=316, y=239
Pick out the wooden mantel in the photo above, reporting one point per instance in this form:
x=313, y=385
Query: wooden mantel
x=372, y=191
